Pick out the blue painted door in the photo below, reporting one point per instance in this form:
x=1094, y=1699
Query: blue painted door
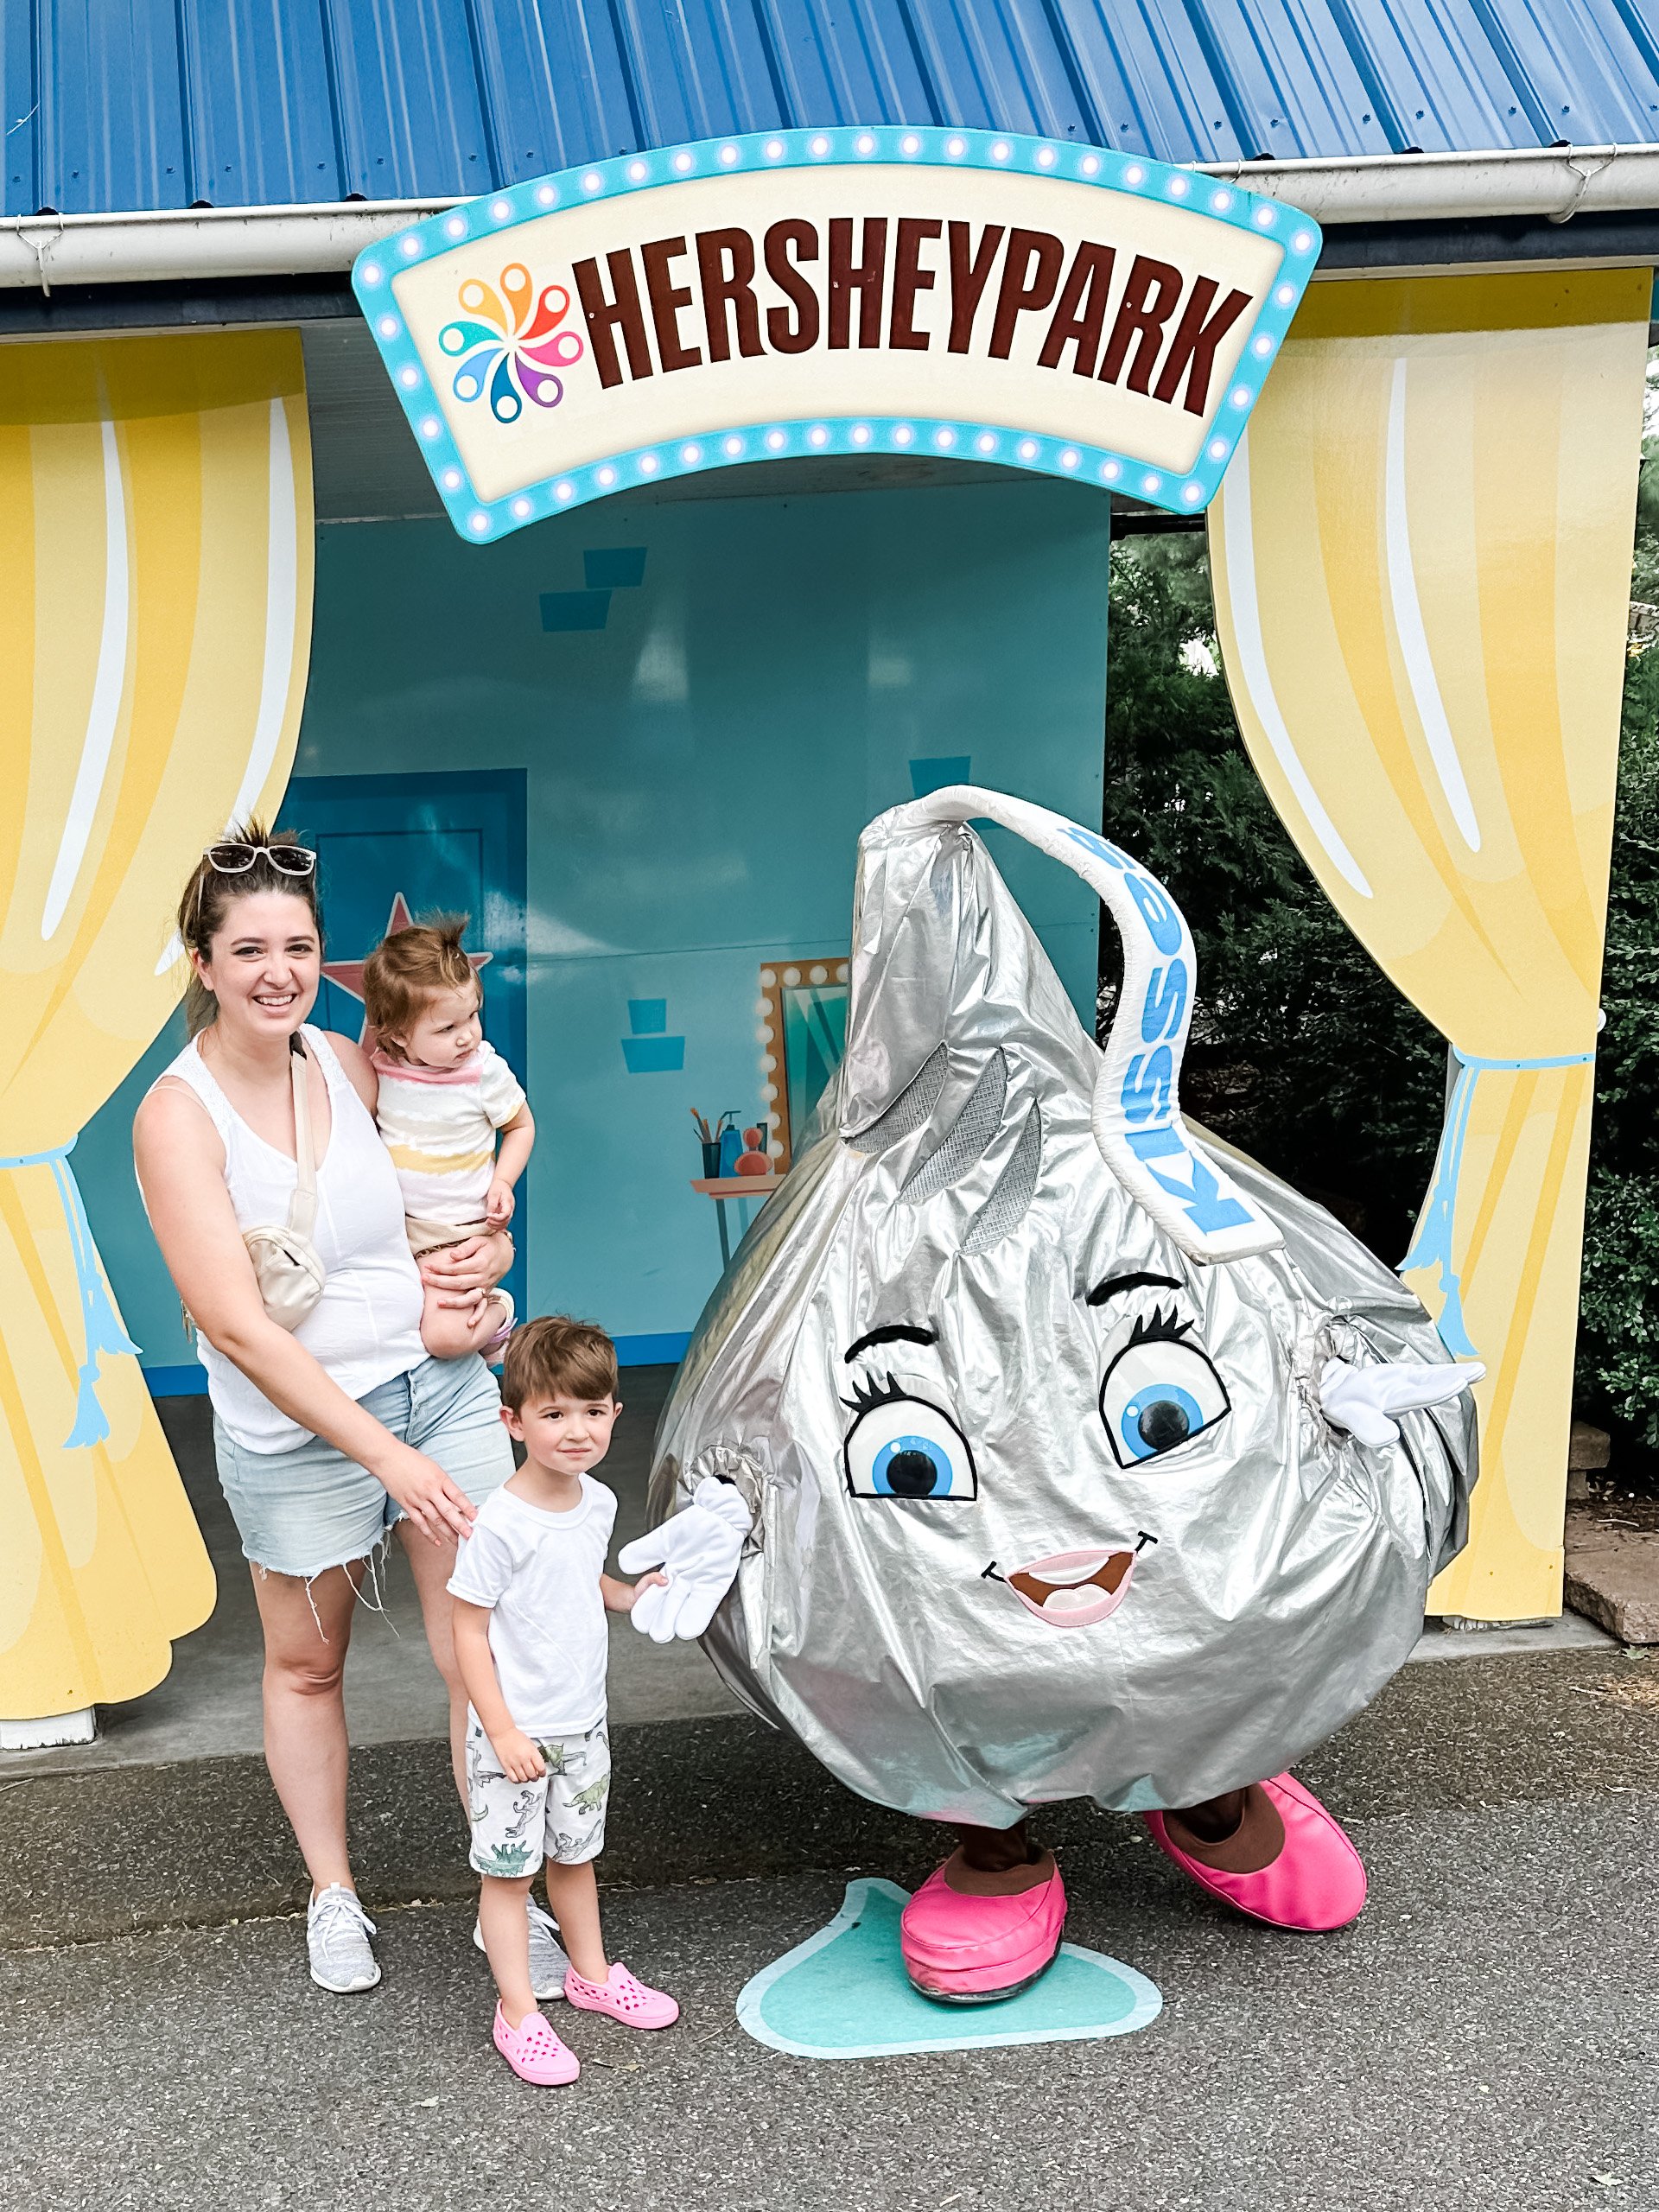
x=394, y=847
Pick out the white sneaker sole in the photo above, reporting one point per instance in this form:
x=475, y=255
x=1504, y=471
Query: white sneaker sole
x=346, y=1988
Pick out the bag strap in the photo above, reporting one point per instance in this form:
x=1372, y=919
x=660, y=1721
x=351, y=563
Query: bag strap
x=302, y=1208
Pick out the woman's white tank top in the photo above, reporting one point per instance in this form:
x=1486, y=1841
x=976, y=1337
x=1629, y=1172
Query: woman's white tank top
x=367, y=1326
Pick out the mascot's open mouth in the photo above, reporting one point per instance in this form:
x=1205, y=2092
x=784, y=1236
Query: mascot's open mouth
x=1075, y=1589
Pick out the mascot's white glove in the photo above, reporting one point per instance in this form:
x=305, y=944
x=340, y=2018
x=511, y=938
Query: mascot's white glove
x=698, y=1549
x=1362, y=1399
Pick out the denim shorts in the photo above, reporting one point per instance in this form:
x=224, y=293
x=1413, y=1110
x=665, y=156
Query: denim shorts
x=301, y=1511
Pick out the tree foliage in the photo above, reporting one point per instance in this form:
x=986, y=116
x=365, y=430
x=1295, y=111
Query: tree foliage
x=1302, y=1053
x=1618, y=1316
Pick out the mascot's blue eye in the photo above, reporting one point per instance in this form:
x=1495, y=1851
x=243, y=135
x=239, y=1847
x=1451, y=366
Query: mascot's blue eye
x=901, y=1447
x=1160, y=1393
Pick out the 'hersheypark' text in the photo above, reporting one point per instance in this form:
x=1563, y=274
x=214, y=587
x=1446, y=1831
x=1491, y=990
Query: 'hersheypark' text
x=789, y=289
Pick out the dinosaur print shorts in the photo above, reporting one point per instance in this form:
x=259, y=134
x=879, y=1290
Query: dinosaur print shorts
x=560, y=1815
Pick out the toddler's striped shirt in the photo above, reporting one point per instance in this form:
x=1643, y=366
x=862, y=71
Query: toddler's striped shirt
x=439, y=1126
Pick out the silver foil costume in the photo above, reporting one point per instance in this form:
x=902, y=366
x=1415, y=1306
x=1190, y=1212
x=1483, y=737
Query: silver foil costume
x=1034, y=1396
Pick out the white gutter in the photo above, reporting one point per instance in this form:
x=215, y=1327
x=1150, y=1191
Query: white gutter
x=180, y=244
x=1556, y=182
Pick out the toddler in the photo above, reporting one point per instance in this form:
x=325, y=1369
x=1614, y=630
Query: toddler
x=444, y=1093
x=531, y=1597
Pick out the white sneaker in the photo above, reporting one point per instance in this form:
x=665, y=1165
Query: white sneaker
x=548, y=1962
x=337, y=1932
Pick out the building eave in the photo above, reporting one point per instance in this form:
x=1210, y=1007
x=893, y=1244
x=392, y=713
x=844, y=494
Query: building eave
x=1559, y=185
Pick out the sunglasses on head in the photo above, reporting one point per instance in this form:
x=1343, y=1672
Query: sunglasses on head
x=233, y=857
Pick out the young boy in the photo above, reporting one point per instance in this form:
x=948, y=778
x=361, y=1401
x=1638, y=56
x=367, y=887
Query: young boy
x=444, y=1093
x=531, y=1597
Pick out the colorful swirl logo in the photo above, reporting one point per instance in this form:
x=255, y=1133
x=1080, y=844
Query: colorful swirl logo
x=509, y=343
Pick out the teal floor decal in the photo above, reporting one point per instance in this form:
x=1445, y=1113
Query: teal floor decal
x=844, y=1993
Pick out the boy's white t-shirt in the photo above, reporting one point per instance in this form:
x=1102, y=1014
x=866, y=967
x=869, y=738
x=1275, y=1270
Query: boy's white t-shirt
x=539, y=1573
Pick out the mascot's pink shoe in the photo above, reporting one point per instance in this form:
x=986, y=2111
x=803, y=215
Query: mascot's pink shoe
x=973, y=1946
x=1288, y=1863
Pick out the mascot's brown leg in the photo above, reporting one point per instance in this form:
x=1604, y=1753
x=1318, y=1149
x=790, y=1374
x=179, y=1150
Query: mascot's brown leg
x=1271, y=1851
x=997, y=1851
x=1217, y=1818
x=985, y=1924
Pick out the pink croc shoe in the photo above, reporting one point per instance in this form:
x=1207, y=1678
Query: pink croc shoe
x=1288, y=1863
x=534, y=2052
x=963, y=1946
x=622, y=1998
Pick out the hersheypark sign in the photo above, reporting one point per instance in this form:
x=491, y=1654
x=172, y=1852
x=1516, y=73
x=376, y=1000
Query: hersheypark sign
x=1049, y=306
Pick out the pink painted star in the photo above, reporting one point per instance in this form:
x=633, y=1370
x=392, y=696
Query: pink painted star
x=348, y=974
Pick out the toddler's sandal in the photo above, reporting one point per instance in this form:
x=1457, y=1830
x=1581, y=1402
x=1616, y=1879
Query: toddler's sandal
x=622, y=1997
x=534, y=2052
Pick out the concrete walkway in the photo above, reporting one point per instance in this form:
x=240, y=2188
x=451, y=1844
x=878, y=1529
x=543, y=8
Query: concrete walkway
x=208, y=1706
x=1484, y=2041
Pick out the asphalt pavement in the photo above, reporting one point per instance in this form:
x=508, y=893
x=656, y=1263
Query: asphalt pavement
x=1484, y=2038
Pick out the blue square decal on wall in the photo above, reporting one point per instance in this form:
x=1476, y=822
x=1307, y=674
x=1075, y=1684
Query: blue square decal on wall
x=654, y=1055
x=646, y=1049
x=614, y=568
x=933, y=775
x=575, y=610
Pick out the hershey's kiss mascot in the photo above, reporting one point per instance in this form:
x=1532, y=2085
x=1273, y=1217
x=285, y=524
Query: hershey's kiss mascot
x=1034, y=1448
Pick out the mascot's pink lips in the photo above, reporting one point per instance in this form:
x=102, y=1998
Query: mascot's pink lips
x=1075, y=1589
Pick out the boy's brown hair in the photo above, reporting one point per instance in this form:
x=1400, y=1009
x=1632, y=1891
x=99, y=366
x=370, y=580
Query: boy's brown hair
x=406, y=969
x=557, y=1358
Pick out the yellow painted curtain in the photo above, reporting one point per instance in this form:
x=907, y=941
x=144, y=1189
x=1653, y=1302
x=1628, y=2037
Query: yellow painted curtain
x=1421, y=556
x=155, y=563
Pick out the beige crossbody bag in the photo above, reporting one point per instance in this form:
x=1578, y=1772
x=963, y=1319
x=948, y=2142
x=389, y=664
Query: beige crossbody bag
x=285, y=1262
x=289, y=1268
x=286, y=1266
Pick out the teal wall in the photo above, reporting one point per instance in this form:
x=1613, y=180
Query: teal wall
x=702, y=747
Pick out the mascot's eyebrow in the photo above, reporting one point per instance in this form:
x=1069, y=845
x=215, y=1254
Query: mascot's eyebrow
x=1110, y=1285
x=897, y=1332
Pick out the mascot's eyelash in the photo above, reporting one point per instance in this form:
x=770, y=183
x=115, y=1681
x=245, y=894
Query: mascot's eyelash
x=872, y=1393
x=1163, y=1325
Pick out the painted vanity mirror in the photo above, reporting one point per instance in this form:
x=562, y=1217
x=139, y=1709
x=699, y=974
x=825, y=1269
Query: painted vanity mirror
x=802, y=1024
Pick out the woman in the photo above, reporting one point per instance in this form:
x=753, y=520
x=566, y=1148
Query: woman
x=329, y=1436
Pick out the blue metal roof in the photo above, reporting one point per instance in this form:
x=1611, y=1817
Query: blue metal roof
x=139, y=104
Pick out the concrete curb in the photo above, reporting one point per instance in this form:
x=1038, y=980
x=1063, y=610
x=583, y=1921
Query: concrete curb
x=112, y=1851
x=115, y=1850
x=1612, y=1566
